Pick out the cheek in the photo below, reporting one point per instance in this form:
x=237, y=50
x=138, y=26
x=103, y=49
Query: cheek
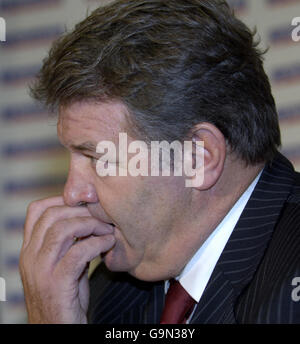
x=118, y=195
x=138, y=206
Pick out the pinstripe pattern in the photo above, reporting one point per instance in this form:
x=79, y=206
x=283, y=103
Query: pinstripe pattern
x=268, y=298
x=251, y=282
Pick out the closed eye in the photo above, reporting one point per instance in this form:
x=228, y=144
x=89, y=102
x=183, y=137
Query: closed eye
x=93, y=158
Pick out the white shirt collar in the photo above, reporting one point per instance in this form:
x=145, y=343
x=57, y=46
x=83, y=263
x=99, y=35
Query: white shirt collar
x=197, y=272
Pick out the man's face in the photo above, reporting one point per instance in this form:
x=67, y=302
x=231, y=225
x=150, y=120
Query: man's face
x=151, y=242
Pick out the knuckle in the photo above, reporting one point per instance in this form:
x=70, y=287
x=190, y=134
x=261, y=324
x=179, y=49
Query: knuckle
x=74, y=254
x=47, y=216
x=50, y=212
x=46, y=252
x=56, y=231
x=41, y=204
x=53, y=237
x=67, y=266
x=33, y=206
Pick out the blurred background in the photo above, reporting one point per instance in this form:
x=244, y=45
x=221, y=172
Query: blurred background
x=33, y=164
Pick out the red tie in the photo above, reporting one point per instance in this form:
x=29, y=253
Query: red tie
x=178, y=305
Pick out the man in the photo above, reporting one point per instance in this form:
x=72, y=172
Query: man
x=184, y=70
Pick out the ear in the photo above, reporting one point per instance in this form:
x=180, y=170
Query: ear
x=213, y=153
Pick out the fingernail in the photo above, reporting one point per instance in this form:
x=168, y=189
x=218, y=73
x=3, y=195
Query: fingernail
x=111, y=238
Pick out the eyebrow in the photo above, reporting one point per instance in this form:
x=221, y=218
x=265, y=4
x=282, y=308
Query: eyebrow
x=84, y=146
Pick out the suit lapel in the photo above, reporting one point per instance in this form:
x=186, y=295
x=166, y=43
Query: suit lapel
x=247, y=244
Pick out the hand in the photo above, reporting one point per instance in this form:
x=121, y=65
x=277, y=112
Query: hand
x=53, y=266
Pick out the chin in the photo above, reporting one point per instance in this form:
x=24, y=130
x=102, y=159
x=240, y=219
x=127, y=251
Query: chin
x=113, y=262
x=117, y=259
x=140, y=272
x=123, y=259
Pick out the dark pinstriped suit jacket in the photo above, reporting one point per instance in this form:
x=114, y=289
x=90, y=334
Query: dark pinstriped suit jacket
x=252, y=281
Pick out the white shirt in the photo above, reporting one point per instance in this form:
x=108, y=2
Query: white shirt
x=197, y=272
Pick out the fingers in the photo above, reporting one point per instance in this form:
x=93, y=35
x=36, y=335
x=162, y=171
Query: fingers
x=60, y=237
x=49, y=217
x=52, y=265
x=34, y=212
x=74, y=261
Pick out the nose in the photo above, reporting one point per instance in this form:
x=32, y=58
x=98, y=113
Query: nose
x=79, y=188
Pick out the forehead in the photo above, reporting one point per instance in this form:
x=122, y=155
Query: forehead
x=91, y=121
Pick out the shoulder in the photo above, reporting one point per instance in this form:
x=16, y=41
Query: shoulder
x=288, y=227
x=268, y=298
x=294, y=197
